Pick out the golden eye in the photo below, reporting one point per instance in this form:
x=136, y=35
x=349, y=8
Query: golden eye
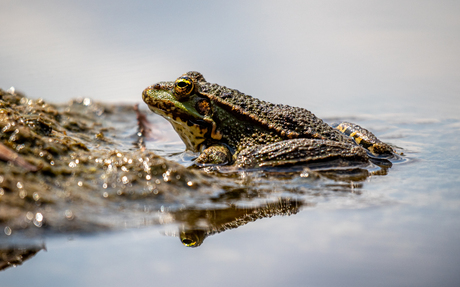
x=188, y=242
x=183, y=87
x=192, y=238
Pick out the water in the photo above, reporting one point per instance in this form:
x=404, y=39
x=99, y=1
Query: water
x=398, y=229
x=391, y=67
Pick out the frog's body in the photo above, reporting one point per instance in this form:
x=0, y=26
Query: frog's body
x=229, y=127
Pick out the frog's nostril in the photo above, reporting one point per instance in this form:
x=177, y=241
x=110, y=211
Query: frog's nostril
x=157, y=87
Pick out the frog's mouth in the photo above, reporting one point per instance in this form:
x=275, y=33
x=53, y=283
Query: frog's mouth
x=193, y=128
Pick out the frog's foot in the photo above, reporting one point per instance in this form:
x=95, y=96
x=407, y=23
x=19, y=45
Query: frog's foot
x=299, y=151
x=365, y=138
x=215, y=154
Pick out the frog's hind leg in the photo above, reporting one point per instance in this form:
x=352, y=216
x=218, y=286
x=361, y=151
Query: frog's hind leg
x=300, y=151
x=365, y=139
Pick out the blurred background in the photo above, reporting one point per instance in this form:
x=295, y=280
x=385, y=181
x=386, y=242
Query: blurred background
x=331, y=57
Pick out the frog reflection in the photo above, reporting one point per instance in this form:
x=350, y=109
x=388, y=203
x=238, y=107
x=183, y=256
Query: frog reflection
x=197, y=225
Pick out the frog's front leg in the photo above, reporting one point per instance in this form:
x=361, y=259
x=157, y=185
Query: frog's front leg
x=365, y=138
x=215, y=154
x=299, y=151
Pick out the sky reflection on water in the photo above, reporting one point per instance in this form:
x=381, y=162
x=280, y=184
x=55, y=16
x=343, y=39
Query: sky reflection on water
x=394, y=60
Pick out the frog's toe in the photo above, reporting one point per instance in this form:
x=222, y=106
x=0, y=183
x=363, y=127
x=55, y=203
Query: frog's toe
x=365, y=138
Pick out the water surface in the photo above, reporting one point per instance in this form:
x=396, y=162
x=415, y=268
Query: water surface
x=396, y=229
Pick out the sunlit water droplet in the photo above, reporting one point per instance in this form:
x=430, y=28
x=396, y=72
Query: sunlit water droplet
x=29, y=216
x=22, y=194
x=39, y=217
x=69, y=214
x=38, y=221
x=86, y=101
x=7, y=230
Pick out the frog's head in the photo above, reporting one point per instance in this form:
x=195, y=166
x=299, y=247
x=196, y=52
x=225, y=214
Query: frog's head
x=189, y=112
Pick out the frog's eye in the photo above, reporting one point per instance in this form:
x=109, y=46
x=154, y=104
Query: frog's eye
x=192, y=238
x=183, y=87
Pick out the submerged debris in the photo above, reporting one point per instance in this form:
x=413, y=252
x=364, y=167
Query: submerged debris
x=8, y=155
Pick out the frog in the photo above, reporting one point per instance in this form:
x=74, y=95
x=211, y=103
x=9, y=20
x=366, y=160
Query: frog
x=227, y=127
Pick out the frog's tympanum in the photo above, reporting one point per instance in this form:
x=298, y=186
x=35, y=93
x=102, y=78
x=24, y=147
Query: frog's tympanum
x=229, y=127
